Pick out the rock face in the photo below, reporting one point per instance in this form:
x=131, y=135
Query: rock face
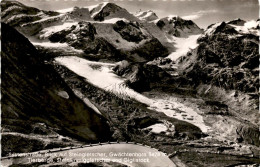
x=31, y=94
x=178, y=27
x=225, y=58
x=150, y=50
x=249, y=134
x=140, y=77
x=129, y=31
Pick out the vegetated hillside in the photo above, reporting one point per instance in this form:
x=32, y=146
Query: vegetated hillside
x=32, y=93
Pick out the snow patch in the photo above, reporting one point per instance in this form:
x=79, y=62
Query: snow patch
x=250, y=27
x=65, y=10
x=172, y=108
x=146, y=15
x=86, y=101
x=63, y=94
x=157, y=128
x=47, y=18
x=50, y=44
x=114, y=20
x=211, y=29
x=63, y=46
x=46, y=32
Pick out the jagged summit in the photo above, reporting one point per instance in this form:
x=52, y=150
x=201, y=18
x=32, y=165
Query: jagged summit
x=148, y=15
x=177, y=26
x=108, y=10
x=237, y=21
x=236, y=26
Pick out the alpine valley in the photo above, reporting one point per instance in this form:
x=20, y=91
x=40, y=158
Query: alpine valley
x=99, y=73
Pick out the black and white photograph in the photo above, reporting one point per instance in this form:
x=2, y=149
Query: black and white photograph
x=130, y=83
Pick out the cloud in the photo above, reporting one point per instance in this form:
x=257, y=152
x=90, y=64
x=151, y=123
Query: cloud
x=198, y=14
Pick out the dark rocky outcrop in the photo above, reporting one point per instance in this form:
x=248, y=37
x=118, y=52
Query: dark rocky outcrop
x=248, y=133
x=31, y=93
x=150, y=50
x=129, y=31
x=141, y=76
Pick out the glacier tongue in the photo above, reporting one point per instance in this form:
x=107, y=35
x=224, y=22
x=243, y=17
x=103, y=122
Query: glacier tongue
x=183, y=46
x=102, y=76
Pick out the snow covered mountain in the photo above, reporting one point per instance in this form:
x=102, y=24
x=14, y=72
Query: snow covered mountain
x=178, y=27
x=107, y=10
x=115, y=26
x=146, y=15
x=233, y=27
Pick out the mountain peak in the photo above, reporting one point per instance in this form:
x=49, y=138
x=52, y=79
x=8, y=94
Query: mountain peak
x=148, y=15
x=236, y=26
x=178, y=27
x=237, y=21
x=108, y=10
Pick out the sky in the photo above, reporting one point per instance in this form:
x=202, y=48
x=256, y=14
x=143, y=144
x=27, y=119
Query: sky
x=202, y=12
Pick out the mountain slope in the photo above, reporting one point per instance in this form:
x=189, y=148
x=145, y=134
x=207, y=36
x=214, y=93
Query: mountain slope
x=27, y=19
x=32, y=92
x=15, y=13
